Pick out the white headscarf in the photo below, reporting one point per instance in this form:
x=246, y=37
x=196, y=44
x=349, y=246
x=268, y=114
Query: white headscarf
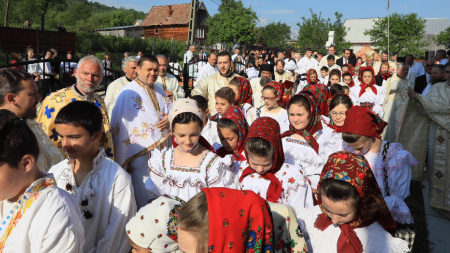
x=184, y=105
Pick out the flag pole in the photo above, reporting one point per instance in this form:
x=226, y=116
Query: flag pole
x=389, y=3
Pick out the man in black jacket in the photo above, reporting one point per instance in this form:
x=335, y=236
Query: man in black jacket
x=346, y=59
x=423, y=80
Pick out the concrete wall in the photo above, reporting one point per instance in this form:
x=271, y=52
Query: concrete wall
x=432, y=44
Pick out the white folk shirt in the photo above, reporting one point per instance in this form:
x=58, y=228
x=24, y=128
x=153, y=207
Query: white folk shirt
x=206, y=71
x=417, y=69
x=257, y=92
x=110, y=196
x=52, y=224
x=306, y=64
x=170, y=83
x=113, y=92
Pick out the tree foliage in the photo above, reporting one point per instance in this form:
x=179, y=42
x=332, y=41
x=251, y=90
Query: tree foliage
x=313, y=32
x=274, y=35
x=405, y=34
x=232, y=24
x=444, y=38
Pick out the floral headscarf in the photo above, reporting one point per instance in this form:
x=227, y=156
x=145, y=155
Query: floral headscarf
x=355, y=170
x=351, y=69
x=239, y=221
x=314, y=124
x=362, y=121
x=308, y=76
x=332, y=125
x=245, y=90
x=321, y=94
x=372, y=83
x=268, y=129
x=155, y=226
x=279, y=88
x=235, y=114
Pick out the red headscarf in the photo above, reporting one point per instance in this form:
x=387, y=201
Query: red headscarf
x=387, y=75
x=352, y=84
x=362, y=121
x=268, y=129
x=355, y=170
x=235, y=114
x=321, y=94
x=337, y=129
x=239, y=221
x=313, y=126
x=351, y=69
x=245, y=90
x=372, y=83
x=308, y=74
x=279, y=88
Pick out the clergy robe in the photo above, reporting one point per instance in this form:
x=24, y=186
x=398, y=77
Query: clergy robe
x=50, y=221
x=376, y=66
x=49, y=154
x=283, y=77
x=109, y=194
x=135, y=131
x=53, y=103
x=170, y=82
x=257, y=92
x=113, y=91
x=208, y=87
x=206, y=71
x=396, y=95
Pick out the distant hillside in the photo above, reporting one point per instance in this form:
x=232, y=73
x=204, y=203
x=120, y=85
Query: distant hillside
x=75, y=14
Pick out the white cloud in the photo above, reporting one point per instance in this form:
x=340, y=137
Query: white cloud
x=263, y=21
x=278, y=12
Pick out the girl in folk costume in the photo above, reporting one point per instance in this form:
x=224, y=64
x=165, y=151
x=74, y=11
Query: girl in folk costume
x=272, y=94
x=311, y=79
x=352, y=216
x=331, y=140
x=243, y=90
x=348, y=79
x=191, y=163
x=334, y=77
x=154, y=228
x=383, y=75
x=352, y=71
x=225, y=220
x=390, y=163
x=265, y=172
x=322, y=95
x=368, y=94
x=300, y=143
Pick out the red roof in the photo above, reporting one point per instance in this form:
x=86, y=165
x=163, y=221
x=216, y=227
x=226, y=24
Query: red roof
x=158, y=15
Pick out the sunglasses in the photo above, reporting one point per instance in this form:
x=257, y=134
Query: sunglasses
x=429, y=65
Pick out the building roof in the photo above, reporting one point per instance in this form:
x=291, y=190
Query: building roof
x=158, y=15
x=358, y=26
x=362, y=53
x=115, y=28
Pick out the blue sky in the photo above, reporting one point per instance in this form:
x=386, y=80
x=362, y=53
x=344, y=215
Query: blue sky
x=291, y=11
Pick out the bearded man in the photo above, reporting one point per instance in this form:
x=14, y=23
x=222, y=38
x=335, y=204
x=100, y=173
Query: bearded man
x=266, y=75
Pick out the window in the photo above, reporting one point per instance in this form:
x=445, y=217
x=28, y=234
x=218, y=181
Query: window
x=156, y=31
x=200, y=33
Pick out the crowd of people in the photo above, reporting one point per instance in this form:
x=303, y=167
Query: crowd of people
x=282, y=154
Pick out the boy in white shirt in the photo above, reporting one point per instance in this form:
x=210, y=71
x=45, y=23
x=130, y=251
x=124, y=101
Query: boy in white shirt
x=103, y=189
x=331, y=63
x=35, y=215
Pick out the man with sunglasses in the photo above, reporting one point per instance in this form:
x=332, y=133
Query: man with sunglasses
x=423, y=80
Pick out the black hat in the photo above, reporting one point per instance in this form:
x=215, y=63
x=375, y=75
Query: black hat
x=266, y=67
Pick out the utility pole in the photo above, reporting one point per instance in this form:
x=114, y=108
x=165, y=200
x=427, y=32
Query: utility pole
x=192, y=18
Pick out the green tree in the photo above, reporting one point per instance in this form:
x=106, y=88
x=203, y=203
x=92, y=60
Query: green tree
x=444, y=38
x=232, y=24
x=313, y=32
x=274, y=35
x=42, y=6
x=405, y=34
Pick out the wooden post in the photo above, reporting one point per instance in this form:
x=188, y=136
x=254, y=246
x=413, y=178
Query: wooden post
x=154, y=43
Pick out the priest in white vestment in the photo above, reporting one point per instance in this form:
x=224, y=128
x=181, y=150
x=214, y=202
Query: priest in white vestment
x=371, y=62
x=23, y=104
x=396, y=95
x=140, y=124
x=114, y=88
x=35, y=215
x=266, y=75
x=208, y=86
x=208, y=70
x=281, y=74
x=167, y=82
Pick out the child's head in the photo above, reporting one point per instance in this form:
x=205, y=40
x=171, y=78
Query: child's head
x=335, y=77
x=243, y=90
x=312, y=75
x=384, y=68
x=346, y=90
x=19, y=151
x=202, y=104
x=340, y=201
x=324, y=71
x=154, y=228
x=271, y=95
x=228, y=134
x=225, y=98
x=79, y=127
x=347, y=78
x=186, y=121
x=235, y=86
x=299, y=109
x=336, y=89
x=338, y=106
x=330, y=60
x=260, y=154
x=344, y=68
x=367, y=75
